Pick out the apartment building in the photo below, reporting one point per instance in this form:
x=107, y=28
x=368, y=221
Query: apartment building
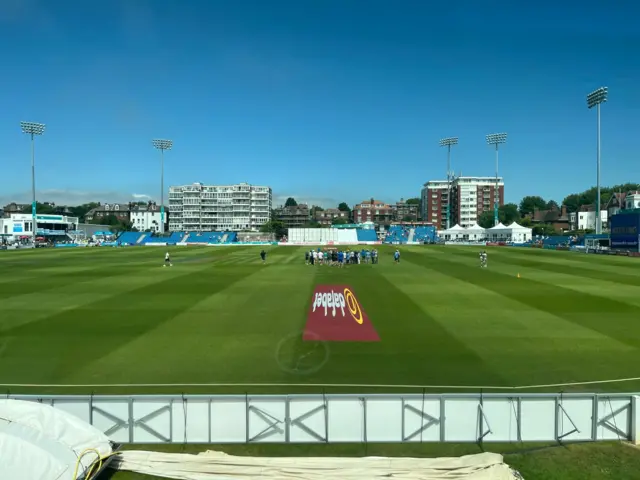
x=433, y=203
x=373, y=211
x=326, y=217
x=147, y=217
x=206, y=208
x=294, y=216
x=470, y=198
x=405, y=212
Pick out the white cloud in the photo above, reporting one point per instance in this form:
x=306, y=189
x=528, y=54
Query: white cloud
x=74, y=197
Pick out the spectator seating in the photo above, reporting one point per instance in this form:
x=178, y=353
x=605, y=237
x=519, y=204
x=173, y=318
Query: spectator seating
x=172, y=239
x=205, y=237
x=131, y=238
x=366, y=235
x=397, y=234
x=424, y=234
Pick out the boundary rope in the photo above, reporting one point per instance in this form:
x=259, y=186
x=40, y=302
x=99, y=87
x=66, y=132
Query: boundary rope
x=317, y=385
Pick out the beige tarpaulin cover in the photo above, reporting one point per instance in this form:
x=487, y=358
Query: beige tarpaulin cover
x=213, y=465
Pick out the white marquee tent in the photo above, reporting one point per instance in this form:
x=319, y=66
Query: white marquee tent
x=513, y=233
x=476, y=232
x=454, y=233
x=520, y=234
x=497, y=233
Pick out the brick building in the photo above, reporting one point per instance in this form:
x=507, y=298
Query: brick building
x=433, y=203
x=326, y=217
x=559, y=218
x=373, y=211
x=294, y=216
x=470, y=198
x=122, y=211
x=405, y=212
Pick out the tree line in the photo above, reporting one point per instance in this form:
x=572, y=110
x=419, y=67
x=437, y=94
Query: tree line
x=530, y=204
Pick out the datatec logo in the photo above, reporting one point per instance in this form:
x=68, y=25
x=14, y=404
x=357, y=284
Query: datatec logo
x=336, y=315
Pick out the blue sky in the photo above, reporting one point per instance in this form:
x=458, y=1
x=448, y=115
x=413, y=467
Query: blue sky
x=324, y=100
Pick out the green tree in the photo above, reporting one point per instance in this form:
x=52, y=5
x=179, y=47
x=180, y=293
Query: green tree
x=413, y=201
x=81, y=211
x=315, y=209
x=339, y=221
x=508, y=213
x=526, y=222
x=343, y=207
x=312, y=224
x=274, y=226
x=531, y=203
x=486, y=219
x=572, y=202
x=41, y=208
x=552, y=205
x=291, y=202
x=544, y=229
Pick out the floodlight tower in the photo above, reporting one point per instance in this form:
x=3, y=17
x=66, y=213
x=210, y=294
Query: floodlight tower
x=162, y=145
x=448, y=142
x=496, y=139
x=594, y=99
x=33, y=129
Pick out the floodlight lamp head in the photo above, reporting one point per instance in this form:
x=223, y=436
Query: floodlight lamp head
x=32, y=128
x=162, y=144
x=496, y=138
x=445, y=142
x=597, y=97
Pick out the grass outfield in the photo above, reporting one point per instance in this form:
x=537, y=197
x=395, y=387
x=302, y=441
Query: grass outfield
x=115, y=316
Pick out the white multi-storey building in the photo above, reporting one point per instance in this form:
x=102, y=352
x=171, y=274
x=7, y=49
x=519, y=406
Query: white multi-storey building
x=632, y=200
x=205, y=208
x=146, y=217
x=586, y=220
x=472, y=196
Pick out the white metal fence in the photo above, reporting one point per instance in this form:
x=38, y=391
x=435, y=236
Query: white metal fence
x=355, y=418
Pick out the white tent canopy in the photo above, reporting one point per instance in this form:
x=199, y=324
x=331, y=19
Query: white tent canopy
x=475, y=227
x=498, y=227
x=475, y=232
x=513, y=233
x=520, y=234
x=456, y=228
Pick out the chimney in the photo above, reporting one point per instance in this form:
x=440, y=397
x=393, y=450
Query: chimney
x=563, y=211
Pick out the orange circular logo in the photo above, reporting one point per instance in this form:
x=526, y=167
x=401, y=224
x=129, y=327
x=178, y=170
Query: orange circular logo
x=353, y=306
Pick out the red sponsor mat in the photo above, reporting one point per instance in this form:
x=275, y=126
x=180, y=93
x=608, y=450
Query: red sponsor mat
x=335, y=315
